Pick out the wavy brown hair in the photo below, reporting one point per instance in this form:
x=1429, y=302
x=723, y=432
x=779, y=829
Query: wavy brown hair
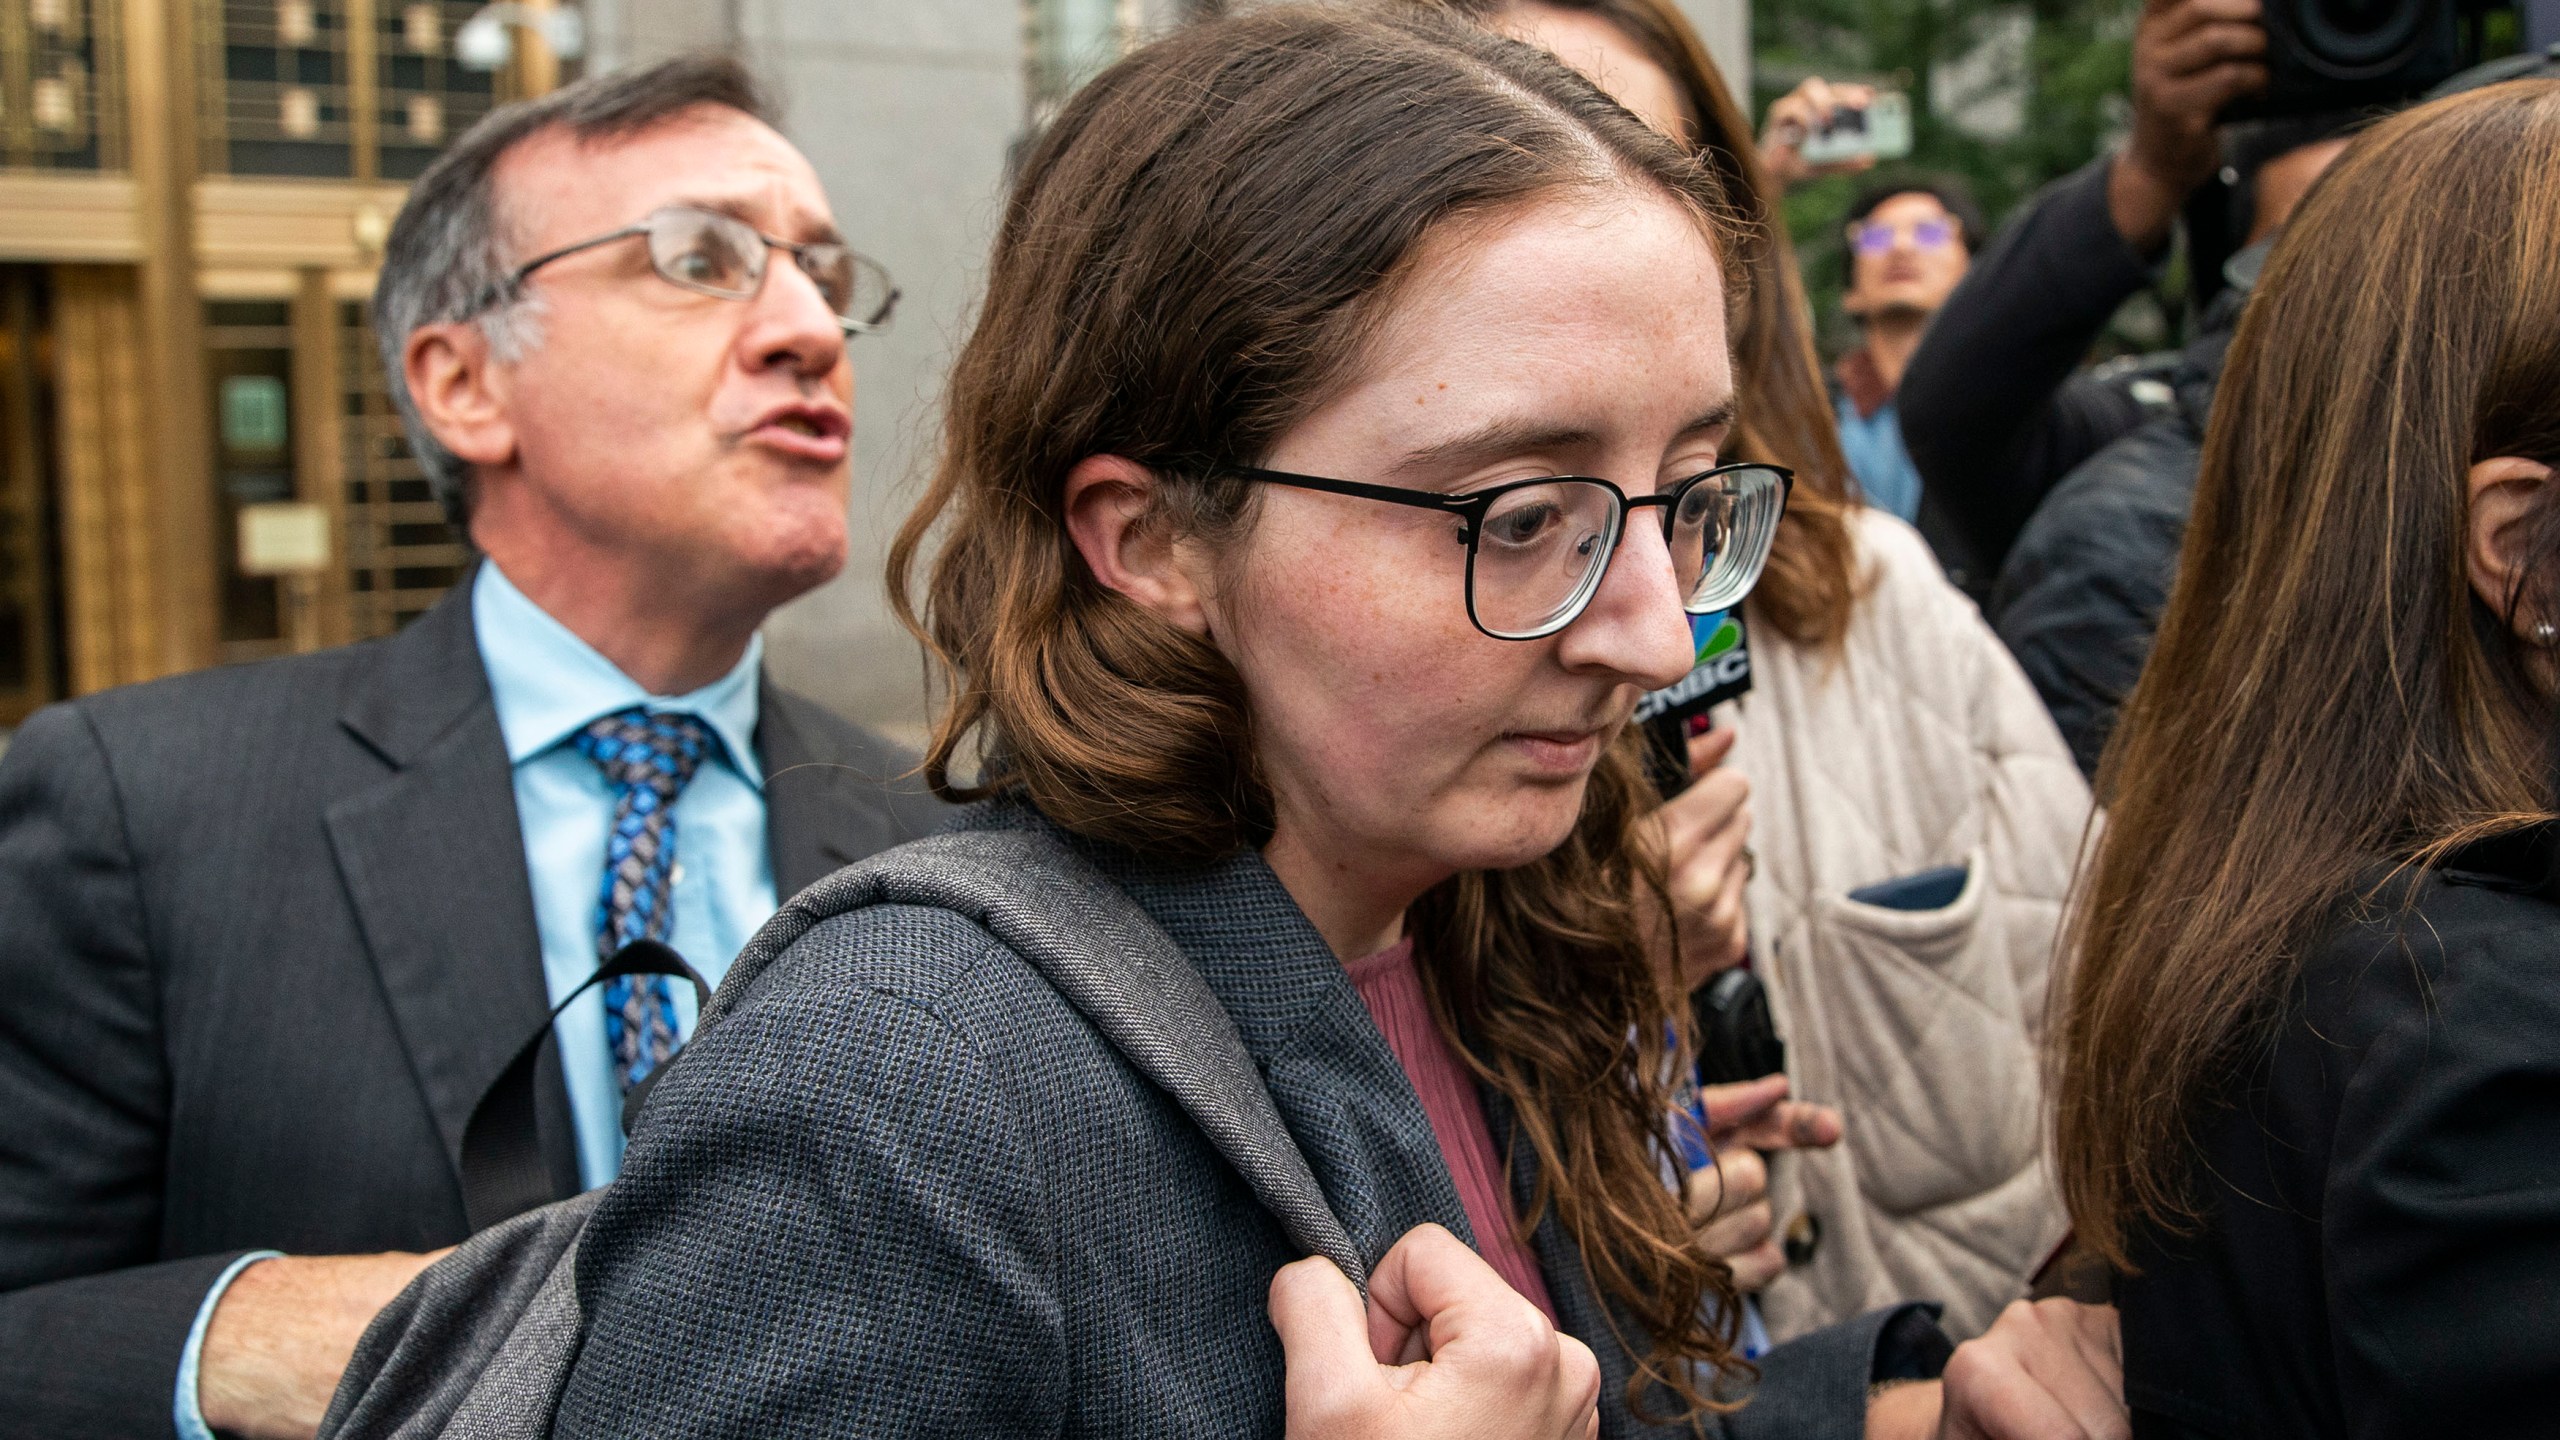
x=1812, y=585
x=2327, y=700
x=1190, y=263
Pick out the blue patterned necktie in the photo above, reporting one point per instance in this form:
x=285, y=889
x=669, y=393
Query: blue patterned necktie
x=647, y=756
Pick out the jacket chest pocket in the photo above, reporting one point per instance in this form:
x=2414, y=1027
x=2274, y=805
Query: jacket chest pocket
x=1927, y=1028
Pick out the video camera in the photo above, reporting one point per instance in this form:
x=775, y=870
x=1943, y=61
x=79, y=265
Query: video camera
x=2328, y=55
x=2331, y=64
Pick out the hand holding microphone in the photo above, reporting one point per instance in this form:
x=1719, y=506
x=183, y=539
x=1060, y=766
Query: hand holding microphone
x=1706, y=830
x=1729, y=1194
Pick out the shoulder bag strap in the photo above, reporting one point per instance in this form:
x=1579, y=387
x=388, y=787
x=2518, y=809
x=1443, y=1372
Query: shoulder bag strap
x=503, y=1172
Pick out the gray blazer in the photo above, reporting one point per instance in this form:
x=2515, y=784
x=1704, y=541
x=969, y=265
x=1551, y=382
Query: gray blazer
x=268, y=937
x=907, y=1188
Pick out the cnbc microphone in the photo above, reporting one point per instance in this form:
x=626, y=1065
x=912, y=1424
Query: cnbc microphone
x=1736, y=1035
x=1679, y=710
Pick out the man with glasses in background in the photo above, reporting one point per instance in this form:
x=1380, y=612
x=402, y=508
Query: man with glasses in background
x=1910, y=242
x=276, y=933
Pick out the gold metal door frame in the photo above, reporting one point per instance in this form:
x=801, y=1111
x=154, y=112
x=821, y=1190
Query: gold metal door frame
x=26, y=512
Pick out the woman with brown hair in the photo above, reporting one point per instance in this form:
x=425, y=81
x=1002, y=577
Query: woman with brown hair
x=1336, y=458
x=1888, y=737
x=2309, y=1069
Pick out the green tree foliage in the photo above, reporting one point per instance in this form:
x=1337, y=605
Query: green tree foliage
x=2069, y=82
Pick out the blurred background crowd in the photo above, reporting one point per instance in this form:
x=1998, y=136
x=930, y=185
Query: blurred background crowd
x=193, y=196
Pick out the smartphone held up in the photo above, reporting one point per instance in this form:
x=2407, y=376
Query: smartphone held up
x=1878, y=130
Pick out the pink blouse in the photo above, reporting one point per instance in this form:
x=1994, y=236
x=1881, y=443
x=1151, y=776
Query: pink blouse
x=1392, y=990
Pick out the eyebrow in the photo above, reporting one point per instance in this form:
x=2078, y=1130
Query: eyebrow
x=1515, y=437
x=820, y=231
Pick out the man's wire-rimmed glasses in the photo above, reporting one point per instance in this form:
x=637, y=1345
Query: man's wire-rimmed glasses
x=723, y=256
x=1538, y=549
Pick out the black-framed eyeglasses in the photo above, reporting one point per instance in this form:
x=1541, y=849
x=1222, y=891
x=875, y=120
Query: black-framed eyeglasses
x=1538, y=549
x=723, y=256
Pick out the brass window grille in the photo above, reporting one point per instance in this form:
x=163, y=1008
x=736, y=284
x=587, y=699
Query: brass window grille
x=61, y=85
x=427, y=96
x=339, y=89
x=278, y=91
x=30, y=611
x=401, y=556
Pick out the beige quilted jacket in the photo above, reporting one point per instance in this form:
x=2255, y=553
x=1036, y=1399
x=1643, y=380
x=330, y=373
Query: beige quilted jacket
x=1919, y=745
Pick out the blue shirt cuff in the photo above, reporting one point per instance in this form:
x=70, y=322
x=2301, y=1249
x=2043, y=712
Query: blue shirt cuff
x=188, y=1414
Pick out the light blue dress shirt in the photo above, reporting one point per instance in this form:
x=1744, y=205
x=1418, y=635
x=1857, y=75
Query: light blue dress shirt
x=189, y=1413
x=1873, y=445
x=548, y=684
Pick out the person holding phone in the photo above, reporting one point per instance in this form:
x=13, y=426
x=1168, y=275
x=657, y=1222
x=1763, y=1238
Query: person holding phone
x=1811, y=109
x=1994, y=411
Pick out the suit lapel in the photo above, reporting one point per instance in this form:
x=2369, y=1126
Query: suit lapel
x=800, y=809
x=433, y=862
x=832, y=795
x=1332, y=1076
x=1581, y=1310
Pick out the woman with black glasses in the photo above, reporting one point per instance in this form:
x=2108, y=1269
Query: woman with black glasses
x=1336, y=459
x=1914, y=812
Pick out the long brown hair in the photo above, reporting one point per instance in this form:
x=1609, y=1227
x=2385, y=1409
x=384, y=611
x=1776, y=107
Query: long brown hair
x=1192, y=258
x=1811, y=586
x=2327, y=699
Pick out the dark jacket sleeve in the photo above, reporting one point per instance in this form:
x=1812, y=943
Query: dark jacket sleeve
x=2441, y=1235
x=1815, y=1386
x=1990, y=411
x=90, y=1332
x=2083, y=592
x=742, y=1280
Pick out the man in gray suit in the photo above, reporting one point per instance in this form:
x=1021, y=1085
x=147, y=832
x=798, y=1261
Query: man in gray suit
x=273, y=933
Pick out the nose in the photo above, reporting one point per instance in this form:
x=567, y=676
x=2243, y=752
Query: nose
x=1634, y=628
x=790, y=326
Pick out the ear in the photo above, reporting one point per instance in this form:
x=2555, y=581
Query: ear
x=2506, y=492
x=1107, y=502
x=460, y=392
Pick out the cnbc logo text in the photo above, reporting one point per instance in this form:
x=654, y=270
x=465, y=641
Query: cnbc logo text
x=1723, y=662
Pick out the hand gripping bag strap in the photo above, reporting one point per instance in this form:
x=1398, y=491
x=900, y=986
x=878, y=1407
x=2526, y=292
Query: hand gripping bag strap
x=1116, y=966
x=500, y=1314
x=503, y=1170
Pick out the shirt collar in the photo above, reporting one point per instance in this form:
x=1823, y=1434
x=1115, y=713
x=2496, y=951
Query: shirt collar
x=547, y=683
x=1863, y=383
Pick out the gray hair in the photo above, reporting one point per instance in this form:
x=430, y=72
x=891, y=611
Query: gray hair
x=448, y=257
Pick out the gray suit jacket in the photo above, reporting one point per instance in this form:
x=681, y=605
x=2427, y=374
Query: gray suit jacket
x=266, y=935
x=907, y=1187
